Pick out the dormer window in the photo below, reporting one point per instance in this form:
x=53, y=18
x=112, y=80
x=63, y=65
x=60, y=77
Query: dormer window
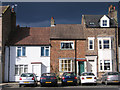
x=104, y=22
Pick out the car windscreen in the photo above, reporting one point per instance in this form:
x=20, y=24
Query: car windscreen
x=69, y=74
x=48, y=74
x=113, y=73
x=87, y=74
x=27, y=75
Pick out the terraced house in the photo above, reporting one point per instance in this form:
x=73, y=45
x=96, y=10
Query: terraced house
x=87, y=47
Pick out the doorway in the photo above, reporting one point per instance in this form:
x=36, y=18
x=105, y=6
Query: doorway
x=80, y=67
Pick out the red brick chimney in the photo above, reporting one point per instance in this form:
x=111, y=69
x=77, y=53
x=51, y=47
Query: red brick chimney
x=52, y=22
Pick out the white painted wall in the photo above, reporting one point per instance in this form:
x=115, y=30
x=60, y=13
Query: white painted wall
x=1, y=49
x=33, y=54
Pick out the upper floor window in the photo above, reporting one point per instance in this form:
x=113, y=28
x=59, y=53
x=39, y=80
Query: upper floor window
x=44, y=51
x=105, y=44
x=21, y=51
x=67, y=45
x=104, y=23
x=91, y=43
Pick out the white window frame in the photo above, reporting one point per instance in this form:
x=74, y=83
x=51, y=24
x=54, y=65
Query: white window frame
x=67, y=42
x=21, y=48
x=104, y=22
x=18, y=73
x=45, y=47
x=103, y=69
x=91, y=38
x=60, y=68
x=102, y=42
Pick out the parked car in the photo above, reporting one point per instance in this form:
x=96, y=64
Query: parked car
x=88, y=77
x=27, y=79
x=70, y=78
x=48, y=79
x=110, y=77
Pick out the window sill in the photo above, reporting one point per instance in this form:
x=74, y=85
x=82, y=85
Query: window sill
x=66, y=49
x=44, y=56
x=21, y=56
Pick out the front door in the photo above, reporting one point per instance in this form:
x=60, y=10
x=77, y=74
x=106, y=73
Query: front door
x=80, y=67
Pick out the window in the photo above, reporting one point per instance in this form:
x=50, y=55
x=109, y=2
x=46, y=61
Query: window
x=104, y=22
x=67, y=45
x=44, y=51
x=106, y=64
x=106, y=44
x=19, y=69
x=65, y=65
x=91, y=43
x=100, y=44
x=101, y=67
x=21, y=51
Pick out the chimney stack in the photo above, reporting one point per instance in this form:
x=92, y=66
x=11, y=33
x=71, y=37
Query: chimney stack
x=52, y=22
x=112, y=13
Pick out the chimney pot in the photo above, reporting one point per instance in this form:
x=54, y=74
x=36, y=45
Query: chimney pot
x=18, y=26
x=52, y=22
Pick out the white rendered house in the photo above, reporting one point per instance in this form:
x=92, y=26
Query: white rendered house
x=28, y=55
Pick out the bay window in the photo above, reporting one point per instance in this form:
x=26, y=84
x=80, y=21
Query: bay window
x=19, y=69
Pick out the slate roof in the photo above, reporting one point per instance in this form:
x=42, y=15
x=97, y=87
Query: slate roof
x=67, y=31
x=96, y=20
x=30, y=36
x=3, y=9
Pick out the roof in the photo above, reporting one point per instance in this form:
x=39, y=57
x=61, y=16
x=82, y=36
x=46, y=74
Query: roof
x=30, y=36
x=3, y=9
x=67, y=31
x=94, y=20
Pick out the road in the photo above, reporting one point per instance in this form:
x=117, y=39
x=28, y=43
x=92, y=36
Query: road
x=99, y=86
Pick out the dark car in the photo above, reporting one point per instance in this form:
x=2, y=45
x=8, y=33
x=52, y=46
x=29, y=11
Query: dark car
x=48, y=79
x=70, y=78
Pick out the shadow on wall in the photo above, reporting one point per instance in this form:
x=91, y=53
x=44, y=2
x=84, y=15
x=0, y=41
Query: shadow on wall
x=44, y=69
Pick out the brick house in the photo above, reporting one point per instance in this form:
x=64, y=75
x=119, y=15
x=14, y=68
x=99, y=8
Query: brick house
x=87, y=47
x=7, y=25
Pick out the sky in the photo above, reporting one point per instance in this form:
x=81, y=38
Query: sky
x=38, y=14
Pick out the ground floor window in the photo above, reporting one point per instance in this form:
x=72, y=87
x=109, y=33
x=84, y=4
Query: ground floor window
x=65, y=65
x=19, y=69
x=104, y=65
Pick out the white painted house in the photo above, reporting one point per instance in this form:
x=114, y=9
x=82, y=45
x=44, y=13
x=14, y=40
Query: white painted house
x=28, y=53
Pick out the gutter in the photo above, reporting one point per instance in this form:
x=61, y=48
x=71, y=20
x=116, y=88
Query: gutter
x=9, y=64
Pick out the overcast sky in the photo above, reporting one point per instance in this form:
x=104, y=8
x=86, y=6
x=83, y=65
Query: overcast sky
x=38, y=14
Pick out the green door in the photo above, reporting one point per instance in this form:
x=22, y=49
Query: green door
x=80, y=67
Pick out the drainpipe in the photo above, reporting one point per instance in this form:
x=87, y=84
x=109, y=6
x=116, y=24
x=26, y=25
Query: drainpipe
x=9, y=64
x=75, y=58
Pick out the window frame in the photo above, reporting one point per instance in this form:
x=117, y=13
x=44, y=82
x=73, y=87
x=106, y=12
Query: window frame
x=60, y=64
x=103, y=65
x=104, y=23
x=45, y=48
x=21, y=48
x=67, y=48
x=93, y=43
x=18, y=67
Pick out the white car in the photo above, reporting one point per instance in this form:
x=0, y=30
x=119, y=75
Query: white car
x=28, y=79
x=88, y=77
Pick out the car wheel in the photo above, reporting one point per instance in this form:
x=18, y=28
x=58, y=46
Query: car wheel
x=20, y=85
x=63, y=84
x=81, y=83
x=106, y=83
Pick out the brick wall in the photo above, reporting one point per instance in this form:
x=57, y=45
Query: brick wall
x=56, y=53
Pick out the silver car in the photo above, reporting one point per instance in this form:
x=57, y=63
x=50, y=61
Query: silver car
x=110, y=77
x=27, y=79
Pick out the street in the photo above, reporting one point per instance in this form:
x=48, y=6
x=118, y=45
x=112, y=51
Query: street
x=99, y=86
